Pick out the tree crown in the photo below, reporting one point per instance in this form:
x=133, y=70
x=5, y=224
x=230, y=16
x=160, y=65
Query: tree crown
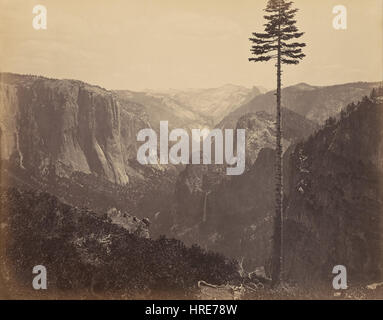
x=280, y=29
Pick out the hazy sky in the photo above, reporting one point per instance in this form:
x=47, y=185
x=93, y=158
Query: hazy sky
x=138, y=44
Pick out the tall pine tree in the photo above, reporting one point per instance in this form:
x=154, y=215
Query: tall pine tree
x=278, y=43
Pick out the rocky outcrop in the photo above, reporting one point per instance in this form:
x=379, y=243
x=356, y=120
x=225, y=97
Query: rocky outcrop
x=67, y=126
x=130, y=223
x=260, y=131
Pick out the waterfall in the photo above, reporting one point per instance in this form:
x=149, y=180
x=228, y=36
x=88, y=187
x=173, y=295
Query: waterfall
x=204, y=206
x=17, y=143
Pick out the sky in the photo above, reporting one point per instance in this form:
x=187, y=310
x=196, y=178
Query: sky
x=161, y=44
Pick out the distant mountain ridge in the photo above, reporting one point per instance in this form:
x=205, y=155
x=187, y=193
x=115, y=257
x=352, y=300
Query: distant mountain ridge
x=191, y=108
x=213, y=103
x=164, y=108
x=316, y=103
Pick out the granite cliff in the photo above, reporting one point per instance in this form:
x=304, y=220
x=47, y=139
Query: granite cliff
x=67, y=126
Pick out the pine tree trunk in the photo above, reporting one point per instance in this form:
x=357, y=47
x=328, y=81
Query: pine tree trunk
x=278, y=229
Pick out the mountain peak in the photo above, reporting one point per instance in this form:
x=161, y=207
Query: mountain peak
x=303, y=86
x=231, y=85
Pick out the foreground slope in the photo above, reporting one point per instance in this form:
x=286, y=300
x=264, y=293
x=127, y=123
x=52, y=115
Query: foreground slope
x=87, y=256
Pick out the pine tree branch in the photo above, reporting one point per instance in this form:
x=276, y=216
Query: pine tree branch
x=289, y=29
x=293, y=45
x=263, y=49
x=289, y=61
x=262, y=35
x=291, y=51
x=271, y=17
x=262, y=41
x=260, y=58
x=295, y=56
x=289, y=36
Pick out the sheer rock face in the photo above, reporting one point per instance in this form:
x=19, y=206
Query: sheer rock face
x=66, y=126
x=334, y=200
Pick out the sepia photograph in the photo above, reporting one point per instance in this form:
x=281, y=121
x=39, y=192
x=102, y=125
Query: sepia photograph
x=164, y=150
